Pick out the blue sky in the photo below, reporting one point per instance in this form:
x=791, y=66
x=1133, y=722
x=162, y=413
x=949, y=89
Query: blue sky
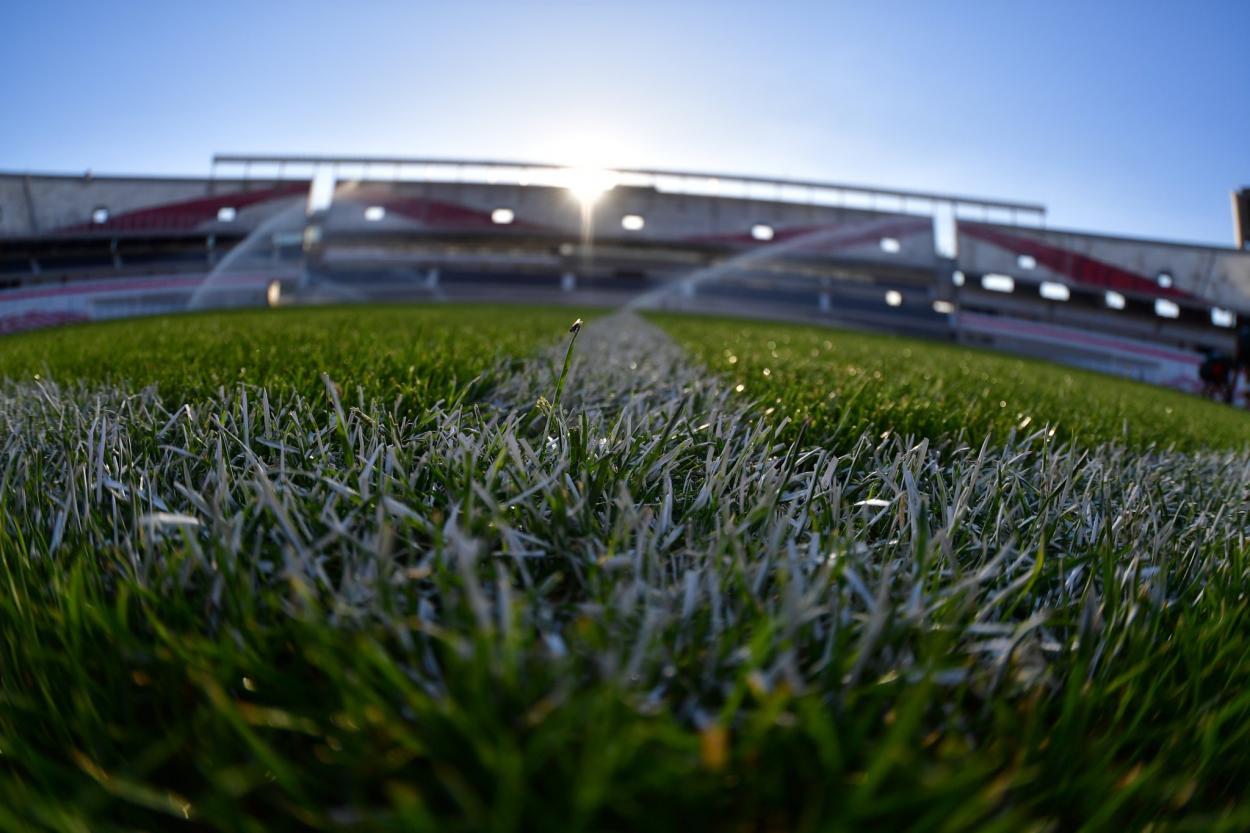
x=1121, y=117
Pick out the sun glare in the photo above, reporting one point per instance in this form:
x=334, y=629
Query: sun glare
x=588, y=184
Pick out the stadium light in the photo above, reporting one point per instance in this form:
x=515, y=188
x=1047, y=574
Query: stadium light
x=1114, y=300
x=633, y=222
x=100, y=216
x=762, y=232
x=1026, y=262
x=957, y=278
x=374, y=213
x=943, y=307
x=998, y=283
x=894, y=298
x=502, y=216
x=226, y=214
x=1166, y=309
x=1053, y=291
x=1222, y=317
x=1165, y=280
x=890, y=245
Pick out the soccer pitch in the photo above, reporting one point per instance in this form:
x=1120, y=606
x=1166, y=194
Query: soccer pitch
x=411, y=568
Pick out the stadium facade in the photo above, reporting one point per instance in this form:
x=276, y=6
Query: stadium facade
x=270, y=230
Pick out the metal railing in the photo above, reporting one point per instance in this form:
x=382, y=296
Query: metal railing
x=403, y=168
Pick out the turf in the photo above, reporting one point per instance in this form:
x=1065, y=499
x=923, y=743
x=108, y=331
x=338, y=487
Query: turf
x=270, y=605
x=422, y=353
x=848, y=383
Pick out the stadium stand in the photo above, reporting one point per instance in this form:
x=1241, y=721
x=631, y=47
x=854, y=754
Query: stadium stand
x=88, y=247
x=1143, y=308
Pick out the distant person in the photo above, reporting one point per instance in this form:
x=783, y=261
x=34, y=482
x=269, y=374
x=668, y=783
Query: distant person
x=1218, y=372
x=1242, y=356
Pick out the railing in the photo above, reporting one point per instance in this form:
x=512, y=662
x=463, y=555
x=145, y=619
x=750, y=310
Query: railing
x=401, y=168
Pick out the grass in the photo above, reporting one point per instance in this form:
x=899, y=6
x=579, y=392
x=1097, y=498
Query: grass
x=649, y=604
x=848, y=383
x=421, y=353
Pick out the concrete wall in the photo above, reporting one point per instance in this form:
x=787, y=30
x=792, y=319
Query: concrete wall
x=40, y=205
x=32, y=205
x=1194, y=274
x=668, y=218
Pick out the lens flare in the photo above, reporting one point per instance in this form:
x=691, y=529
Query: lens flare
x=588, y=184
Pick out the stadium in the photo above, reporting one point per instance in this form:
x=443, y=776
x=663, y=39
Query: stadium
x=564, y=436
x=282, y=229
x=318, y=487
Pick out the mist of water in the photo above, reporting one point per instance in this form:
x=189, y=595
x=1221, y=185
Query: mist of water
x=250, y=256
x=253, y=258
x=758, y=255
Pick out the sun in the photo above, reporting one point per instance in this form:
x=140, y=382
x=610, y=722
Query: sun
x=586, y=156
x=587, y=184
